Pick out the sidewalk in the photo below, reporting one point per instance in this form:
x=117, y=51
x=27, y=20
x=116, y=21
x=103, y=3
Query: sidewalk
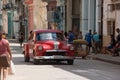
x=106, y=58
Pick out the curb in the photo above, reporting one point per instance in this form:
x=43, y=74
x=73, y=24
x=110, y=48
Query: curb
x=109, y=61
x=105, y=60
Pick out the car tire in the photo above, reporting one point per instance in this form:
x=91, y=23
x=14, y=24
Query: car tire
x=36, y=61
x=23, y=52
x=27, y=59
x=70, y=62
x=83, y=57
x=58, y=61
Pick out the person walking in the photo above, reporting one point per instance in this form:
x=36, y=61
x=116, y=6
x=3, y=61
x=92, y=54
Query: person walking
x=4, y=35
x=96, y=42
x=4, y=51
x=117, y=49
x=118, y=36
x=66, y=35
x=21, y=39
x=80, y=36
x=70, y=37
x=88, y=38
x=30, y=35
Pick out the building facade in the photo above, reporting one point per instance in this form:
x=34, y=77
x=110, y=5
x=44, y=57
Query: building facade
x=111, y=19
x=111, y=16
x=6, y=14
x=33, y=16
x=40, y=14
x=1, y=15
x=83, y=15
x=51, y=7
x=61, y=12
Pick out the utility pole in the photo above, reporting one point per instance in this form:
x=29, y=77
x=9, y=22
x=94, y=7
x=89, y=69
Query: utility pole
x=101, y=23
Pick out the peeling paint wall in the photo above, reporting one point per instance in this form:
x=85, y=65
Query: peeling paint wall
x=40, y=15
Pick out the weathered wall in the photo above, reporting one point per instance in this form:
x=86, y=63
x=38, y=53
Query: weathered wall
x=40, y=15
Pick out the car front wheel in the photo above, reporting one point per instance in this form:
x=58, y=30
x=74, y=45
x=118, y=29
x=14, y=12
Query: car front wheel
x=36, y=61
x=70, y=62
x=27, y=59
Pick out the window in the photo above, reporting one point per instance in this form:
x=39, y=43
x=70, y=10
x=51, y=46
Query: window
x=117, y=5
x=111, y=7
x=111, y=27
x=75, y=7
x=49, y=36
x=115, y=0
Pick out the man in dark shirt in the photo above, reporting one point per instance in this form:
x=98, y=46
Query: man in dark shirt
x=117, y=49
x=112, y=42
x=118, y=36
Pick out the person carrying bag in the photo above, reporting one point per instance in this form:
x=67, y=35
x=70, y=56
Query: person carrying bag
x=6, y=53
x=11, y=70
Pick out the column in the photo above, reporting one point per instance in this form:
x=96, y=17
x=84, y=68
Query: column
x=84, y=16
x=69, y=14
x=5, y=18
x=91, y=15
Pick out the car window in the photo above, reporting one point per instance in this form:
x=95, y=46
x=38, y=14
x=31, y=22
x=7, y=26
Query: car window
x=49, y=36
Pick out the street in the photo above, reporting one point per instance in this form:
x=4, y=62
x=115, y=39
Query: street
x=81, y=70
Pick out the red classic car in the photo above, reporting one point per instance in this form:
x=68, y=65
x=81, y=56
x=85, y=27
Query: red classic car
x=48, y=45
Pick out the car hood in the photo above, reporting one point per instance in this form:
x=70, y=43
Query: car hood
x=52, y=44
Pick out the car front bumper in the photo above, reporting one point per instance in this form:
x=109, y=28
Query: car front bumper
x=54, y=57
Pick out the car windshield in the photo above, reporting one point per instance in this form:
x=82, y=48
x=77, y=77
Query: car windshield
x=49, y=36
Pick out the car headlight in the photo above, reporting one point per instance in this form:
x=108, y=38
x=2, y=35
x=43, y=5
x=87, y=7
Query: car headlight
x=40, y=48
x=71, y=48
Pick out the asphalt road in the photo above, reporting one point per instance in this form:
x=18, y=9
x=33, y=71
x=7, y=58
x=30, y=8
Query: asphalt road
x=81, y=70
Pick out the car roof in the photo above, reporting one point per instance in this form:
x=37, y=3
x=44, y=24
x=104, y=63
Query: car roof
x=40, y=31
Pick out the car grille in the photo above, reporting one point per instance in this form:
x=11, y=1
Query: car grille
x=55, y=53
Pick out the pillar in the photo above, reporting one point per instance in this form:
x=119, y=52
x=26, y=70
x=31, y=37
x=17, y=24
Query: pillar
x=84, y=16
x=69, y=15
x=91, y=14
x=5, y=18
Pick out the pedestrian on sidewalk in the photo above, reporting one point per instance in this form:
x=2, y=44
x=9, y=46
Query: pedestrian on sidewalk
x=96, y=42
x=88, y=38
x=30, y=35
x=117, y=47
x=70, y=37
x=21, y=39
x=66, y=34
x=112, y=42
x=80, y=36
x=5, y=51
x=118, y=36
x=4, y=35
